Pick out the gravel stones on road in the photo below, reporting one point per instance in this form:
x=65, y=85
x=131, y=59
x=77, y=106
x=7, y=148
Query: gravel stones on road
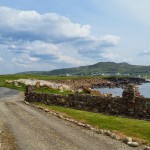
x=133, y=144
x=7, y=141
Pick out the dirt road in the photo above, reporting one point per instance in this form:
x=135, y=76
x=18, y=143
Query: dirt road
x=30, y=129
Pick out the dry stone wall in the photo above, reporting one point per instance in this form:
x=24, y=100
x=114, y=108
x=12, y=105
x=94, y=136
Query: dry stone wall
x=128, y=105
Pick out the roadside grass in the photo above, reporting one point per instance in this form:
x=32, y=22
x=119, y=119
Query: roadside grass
x=138, y=129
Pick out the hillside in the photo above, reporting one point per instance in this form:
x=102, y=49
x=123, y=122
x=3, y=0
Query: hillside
x=101, y=68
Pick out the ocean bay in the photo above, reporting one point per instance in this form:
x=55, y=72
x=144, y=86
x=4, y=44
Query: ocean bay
x=144, y=90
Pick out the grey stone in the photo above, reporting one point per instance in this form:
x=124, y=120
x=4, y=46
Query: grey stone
x=101, y=131
x=46, y=110
x=27, y=103
x=146, y=148
x=91, y=128
x=81, y=124
x=117, y=105
x=114, y=136
x=127, y=139
x=39, y=107
x=74, y=121
x=67, y=119
x=133, y=144
x=87, y=126
x=108, y=133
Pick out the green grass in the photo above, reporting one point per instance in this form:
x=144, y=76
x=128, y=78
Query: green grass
x=131, y=127
x=43, y=77
x=10, y=77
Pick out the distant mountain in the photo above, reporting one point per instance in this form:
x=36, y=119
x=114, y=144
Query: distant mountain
x=101, y=68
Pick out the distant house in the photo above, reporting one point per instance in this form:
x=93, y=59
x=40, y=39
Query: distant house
x=68, y=75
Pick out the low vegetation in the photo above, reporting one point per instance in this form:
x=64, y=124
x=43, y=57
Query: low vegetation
x=138, y=129
x=41, y=77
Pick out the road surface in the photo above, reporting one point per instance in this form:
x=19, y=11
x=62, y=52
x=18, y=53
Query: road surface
x=26, y=128
x=5, y=92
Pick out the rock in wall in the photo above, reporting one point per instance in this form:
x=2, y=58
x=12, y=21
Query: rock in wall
x=128, y=105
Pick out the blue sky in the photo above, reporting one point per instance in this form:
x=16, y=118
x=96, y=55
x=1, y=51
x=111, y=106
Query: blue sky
x=47, y=35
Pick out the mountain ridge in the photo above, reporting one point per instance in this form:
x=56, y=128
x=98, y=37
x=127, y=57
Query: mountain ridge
x=100, y=68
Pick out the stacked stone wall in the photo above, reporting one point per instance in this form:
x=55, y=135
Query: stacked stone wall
x=128, y=105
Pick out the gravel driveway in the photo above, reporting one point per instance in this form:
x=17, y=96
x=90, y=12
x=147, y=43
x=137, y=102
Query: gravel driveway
x=32, y=129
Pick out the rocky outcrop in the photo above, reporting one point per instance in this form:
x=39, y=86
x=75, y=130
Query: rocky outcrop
x=76, y=83
x=96, y=82
x=125, y=81
x=40, y=83
x=85, y=82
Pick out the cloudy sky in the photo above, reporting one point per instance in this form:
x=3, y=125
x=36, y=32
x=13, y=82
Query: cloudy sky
x=52, y=34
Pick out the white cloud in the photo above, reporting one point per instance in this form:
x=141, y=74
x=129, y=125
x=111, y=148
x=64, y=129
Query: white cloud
x=36, y=40
x=111, y=39
x=70, y=60
x=108, y=55
x=34, y=51
x=92, y=46
x=32, y=25
x=115, y=57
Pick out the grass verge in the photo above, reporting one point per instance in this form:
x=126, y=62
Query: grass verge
x=138, y=129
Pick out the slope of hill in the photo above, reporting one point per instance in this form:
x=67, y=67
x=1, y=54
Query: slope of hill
x=100, y=68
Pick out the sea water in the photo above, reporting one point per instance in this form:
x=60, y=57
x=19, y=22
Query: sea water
x=144, y=89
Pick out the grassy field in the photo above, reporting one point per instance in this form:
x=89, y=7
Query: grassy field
x=138, y=129
x=43, y=77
